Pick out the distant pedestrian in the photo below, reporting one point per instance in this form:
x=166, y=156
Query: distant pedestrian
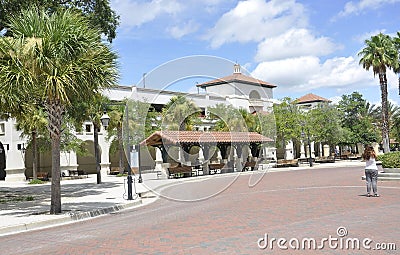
x=371, y=170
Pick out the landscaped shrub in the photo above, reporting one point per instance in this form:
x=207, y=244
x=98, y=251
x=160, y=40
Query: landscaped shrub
x=36, y=181
x=390, y=160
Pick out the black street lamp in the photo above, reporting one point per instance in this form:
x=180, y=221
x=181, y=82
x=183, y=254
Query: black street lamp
x=308, y=141
x=105, y=120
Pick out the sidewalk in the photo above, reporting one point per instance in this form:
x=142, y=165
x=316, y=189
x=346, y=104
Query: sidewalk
x=83, y=198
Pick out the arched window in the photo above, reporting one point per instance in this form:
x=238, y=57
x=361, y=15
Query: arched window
x=254, y=95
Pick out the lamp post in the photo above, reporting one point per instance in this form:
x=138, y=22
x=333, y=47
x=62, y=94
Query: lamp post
x=308, y=141
x=105, y=120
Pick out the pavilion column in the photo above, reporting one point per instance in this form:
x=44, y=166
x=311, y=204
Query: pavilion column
x=164, y=159
x=302, y=151
x=159, y=163
x=326, y=150
x=206, y=153
x=185, y=149
x=312, y=149
x=239, y=150
x=289, y=150
x=223, y=148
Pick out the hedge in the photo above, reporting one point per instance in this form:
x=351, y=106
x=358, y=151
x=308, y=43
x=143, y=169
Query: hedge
x=390, y=160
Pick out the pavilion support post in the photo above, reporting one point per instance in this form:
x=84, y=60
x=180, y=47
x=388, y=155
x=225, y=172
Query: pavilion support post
x=206, y=152
x=239, y=150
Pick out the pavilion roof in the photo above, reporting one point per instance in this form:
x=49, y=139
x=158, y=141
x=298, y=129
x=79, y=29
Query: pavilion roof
x=199, y=137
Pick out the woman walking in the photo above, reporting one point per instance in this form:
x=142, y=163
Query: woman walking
x=371, y=170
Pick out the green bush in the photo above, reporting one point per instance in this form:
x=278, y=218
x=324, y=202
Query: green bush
x=390, y=160
x=36, y=181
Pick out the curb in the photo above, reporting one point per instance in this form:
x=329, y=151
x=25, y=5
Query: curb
x=68, y=218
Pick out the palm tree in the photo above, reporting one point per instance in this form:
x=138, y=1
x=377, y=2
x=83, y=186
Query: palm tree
x=32, y=122
x=396, y=69
x=179, y=113
x=63, y=59
x=380, y=54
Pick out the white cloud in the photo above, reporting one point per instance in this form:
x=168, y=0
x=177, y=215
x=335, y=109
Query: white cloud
x=255, y=20
x=351, y=7
x=308, y=73
x=137, y=13
x=185, y=29
x=294, y=43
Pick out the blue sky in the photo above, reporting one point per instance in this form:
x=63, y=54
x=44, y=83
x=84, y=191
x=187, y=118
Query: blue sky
x=301, y=46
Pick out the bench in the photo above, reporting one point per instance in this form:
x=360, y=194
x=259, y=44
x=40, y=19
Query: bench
x=114, y=170
x=43, y=176
x=177, y=170
x=250, y=165
x=325, y=159
x=78, y=173
x=287, y=163
x=215, y=167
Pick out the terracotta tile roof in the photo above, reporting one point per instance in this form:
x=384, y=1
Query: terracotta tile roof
x=237, y=77
x=199, y=137
x=310, y=98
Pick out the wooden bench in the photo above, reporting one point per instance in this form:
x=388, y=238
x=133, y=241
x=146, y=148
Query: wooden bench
x=43, y=176
x=178, y=170
x=250, y=165
x=325, y=159
x=215, y=167
x=287, y=163
x=114, y=170
x=78, y=173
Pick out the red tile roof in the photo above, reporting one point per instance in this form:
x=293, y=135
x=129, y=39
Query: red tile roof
x=198, y=137
x=237, y=77
x=311, y=98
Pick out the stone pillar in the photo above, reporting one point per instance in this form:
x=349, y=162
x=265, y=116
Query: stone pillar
x=206, y=153
x=326, y=150
x=302, y=152
x=238, y=163
x=15, y=165
x=289, y=150
x=105, y=154
x=159, y=164
x=68, y=161
x=312, y=149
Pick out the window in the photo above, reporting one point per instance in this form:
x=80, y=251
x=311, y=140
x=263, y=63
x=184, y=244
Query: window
x=2, y=129
x=88, y=128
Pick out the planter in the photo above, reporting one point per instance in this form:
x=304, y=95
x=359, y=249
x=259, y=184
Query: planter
x=391, y=170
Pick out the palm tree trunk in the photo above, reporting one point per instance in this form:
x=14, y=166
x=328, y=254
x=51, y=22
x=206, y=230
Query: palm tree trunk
x=385, y=112
x=120, y=150
x=55, y=111
x=34, y=155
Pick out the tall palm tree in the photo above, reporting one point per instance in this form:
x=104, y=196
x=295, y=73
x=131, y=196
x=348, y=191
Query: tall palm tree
x=380, y=54
x=396, y=69
x=63, y=59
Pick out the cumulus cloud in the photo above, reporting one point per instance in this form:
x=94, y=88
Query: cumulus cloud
x=308, y=73
x=255, y=20
x=294, y=43
x=356, y=8
x=135, y=13
x=182, y=30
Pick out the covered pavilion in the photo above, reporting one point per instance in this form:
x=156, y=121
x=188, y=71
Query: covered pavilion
x=231, y=146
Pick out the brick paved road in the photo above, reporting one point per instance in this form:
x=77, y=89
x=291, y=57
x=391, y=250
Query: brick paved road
x=229, y=216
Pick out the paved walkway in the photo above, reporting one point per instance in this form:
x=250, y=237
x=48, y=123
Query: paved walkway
x=83, y=198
